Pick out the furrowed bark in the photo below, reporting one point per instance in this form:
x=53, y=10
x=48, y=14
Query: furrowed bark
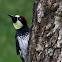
x=45, y=43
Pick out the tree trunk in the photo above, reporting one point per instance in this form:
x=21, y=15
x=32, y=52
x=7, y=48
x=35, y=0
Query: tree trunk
x=45, y=43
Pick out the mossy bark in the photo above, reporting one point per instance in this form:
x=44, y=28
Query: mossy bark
x=45, y=43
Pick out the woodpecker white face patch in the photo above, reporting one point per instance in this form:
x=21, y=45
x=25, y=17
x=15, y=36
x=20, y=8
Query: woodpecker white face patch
x=18, y=24
x=17, y=16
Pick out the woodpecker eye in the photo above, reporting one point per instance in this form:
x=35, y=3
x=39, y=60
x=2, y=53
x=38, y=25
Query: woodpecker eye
x=19, y=18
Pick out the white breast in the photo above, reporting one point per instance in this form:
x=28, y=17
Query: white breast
x=23, y=43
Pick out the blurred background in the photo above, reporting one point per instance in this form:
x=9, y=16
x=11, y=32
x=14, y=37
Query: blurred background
x=7, y=31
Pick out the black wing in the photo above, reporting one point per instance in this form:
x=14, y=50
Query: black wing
x=17, y=46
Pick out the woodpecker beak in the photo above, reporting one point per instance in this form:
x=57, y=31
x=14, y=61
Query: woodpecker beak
x=11, y=15
x=14, y=19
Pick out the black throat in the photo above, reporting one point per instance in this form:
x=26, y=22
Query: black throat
x=22, y=31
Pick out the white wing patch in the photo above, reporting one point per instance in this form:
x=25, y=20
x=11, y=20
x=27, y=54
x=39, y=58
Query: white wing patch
x=23, y=43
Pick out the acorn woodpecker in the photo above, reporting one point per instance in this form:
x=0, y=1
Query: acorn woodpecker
x=22, y=35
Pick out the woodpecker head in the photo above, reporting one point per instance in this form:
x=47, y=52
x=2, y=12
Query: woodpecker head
x=18, y=21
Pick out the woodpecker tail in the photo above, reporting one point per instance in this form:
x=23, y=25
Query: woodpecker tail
x=22, y=59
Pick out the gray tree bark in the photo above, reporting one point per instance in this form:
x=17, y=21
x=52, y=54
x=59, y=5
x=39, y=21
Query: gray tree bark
x=45, y=43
